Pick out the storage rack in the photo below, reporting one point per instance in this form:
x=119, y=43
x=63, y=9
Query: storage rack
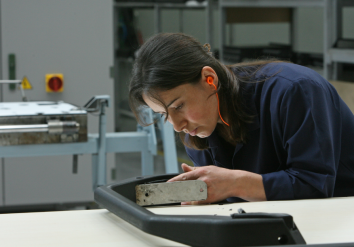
x=332, y=23
x=157, y=7
x=167, y=132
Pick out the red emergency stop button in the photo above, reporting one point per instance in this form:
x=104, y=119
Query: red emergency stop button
x=54, y=83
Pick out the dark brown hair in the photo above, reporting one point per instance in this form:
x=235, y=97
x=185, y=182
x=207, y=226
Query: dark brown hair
x=168, y=60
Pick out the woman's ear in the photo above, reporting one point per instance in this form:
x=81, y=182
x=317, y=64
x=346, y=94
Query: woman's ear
x=206, y=72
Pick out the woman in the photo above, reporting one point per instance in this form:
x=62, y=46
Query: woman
x=266, y=130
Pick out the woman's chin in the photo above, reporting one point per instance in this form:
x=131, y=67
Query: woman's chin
x=203, y=135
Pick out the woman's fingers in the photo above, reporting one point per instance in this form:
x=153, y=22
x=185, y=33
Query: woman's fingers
x=187, y=168
x=194, y=203
x=186, y=203
x=188, y=175
x=192, y=175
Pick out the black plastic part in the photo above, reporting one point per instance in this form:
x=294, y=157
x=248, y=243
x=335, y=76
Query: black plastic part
x=255, y=229
x=321, y=245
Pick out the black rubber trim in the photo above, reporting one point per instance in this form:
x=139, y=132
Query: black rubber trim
x=255, y=229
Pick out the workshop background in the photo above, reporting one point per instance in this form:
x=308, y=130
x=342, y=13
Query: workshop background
x=92, y=43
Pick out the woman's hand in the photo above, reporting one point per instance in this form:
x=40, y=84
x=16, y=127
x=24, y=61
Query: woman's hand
x=223, y=183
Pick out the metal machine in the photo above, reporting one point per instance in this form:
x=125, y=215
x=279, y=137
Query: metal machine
x=29, y=129
x=41, y=122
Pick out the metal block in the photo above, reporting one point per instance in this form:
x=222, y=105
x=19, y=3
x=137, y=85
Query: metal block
x=174, y=192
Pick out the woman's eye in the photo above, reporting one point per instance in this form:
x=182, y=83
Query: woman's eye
x=179, y=107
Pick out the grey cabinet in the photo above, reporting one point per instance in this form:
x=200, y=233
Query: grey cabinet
x=74, y=38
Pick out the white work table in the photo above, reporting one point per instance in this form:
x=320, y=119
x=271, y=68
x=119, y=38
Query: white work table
x=319, y=221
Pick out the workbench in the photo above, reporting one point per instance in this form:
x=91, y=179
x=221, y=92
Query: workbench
x=319, y=221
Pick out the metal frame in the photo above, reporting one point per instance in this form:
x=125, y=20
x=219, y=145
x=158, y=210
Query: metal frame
x=169, y=146
x=165, y=130
x=332, y=23
x=159, y=6
x=157, y=26
x=112, y=143
x=261, y=3
x=333, y=30
x=98, y=145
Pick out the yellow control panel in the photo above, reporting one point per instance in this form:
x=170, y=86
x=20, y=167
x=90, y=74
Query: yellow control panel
x=54, y=83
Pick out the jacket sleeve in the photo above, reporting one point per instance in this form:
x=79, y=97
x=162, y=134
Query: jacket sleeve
x=309, y=127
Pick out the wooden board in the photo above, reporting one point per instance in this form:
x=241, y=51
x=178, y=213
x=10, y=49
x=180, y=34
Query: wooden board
x=256, y=15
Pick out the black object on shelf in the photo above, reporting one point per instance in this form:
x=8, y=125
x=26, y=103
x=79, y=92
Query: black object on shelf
x=134, y=1
x=151, y=1
x=308, y=59
x=246, y=229
x=128, y=35
x=281, y=51
x=237, y=54
x=170, y=1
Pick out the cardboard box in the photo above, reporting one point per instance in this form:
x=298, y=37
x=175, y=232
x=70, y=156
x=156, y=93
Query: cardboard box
x=254, y=15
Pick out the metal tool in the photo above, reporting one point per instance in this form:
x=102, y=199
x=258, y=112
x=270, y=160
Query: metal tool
x=41, y=122
x=52, y=127
x=19, y=82
x=167, y=193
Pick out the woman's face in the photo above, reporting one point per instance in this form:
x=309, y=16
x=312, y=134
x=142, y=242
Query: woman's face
x=191, y=108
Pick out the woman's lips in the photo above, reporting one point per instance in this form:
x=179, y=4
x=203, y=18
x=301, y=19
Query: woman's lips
x=194, y=132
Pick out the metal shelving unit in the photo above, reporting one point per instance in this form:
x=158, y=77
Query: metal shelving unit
x=207, y=5
x=332, y=23
x=334, y=31
x=119, y=63
x=121, y=66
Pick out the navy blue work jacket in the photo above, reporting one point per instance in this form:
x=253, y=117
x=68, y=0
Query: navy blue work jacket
x=301, y=140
